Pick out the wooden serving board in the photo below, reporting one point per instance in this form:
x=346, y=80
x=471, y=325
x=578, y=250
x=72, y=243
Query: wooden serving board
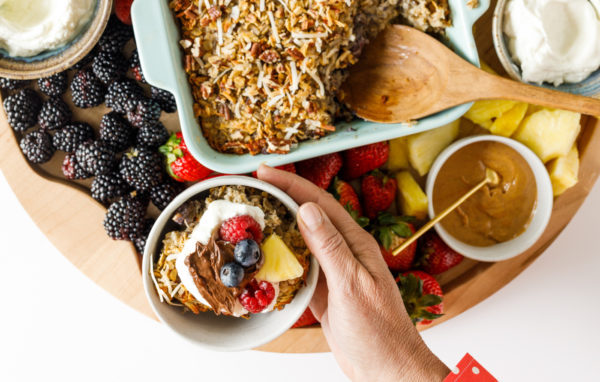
x=72, y=221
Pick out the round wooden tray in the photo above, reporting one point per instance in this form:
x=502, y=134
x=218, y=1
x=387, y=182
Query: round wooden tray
x=72, y=221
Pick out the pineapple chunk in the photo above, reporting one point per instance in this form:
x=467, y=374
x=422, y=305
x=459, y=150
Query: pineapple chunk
x=411, y=198
x=280, y=263
x=398, y=157
x=423, y=148
x=564, y=171
x=509, y=121
x=485, y=112
x=549, y=133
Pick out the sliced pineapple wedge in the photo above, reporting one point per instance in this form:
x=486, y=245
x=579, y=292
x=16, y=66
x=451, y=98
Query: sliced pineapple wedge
x=549, y=133
x=484, y=113
x=398, y=157
x=564, y=171
x=423, y=148
x=509, y=121
x=280, y=263
x=411, y=198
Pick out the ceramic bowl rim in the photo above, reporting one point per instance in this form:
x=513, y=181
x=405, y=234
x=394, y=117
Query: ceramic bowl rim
x=300, y=301
x=541, y=214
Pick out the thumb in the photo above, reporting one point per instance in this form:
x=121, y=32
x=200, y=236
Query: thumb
x=327, y=244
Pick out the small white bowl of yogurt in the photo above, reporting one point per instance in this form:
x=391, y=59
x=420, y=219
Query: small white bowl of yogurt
x=222, y=327
x=550, y=43
x=41, y=37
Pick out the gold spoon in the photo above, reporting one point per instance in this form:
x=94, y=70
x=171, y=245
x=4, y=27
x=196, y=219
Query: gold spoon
x=405, y=74
x=491, y=178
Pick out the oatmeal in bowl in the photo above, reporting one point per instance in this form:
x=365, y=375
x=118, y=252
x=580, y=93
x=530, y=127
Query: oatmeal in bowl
x=226, y=258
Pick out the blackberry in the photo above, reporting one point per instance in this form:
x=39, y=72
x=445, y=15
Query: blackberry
x=164, y=98
x=86, y=60
x=107, y=188
x=72, y=169
x=141, y=168
x=164, y=193
x=22, y=109
x=54, y=85
x=124, y=219
x=120, y=91
x=55, y=114
x=37, y=146
x=115, y=131
x=142, y=112
x=71, y=136
x=115, y=36
x=136, y=67
x=140, y=242
x=86, y=89
x=96, y=157
x=10, y=84
x=152, y=136
x=108, y=66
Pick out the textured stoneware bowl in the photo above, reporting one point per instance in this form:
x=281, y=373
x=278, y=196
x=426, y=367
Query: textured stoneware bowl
x=207, y=329
x=157, y=38
x=57, y=60
x=541, y=214
x=589, y=87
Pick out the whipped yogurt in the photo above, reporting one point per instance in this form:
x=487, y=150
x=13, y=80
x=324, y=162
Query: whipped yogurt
x=215, y=214
x=29, y=27
x=553, y=41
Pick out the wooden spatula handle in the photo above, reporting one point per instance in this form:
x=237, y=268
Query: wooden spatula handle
x=495, y=87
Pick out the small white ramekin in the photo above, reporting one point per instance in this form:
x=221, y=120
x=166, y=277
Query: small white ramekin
x=541, y=213
x=207, y=329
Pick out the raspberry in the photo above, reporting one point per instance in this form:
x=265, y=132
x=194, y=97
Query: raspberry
x=239, y=228
x=257, y=296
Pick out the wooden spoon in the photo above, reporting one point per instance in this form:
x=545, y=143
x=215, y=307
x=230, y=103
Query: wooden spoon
x=491, y=178
x=405, y=74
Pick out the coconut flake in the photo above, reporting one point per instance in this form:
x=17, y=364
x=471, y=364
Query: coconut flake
x=220, y=31
x=261, y=5
x=273, y=27
x=315, y=77
x=309, y=35
x=295, y=78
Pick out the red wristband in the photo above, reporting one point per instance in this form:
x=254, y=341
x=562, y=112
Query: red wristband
x=469, y=370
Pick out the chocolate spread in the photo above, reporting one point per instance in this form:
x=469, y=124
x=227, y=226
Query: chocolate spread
x=205, y=266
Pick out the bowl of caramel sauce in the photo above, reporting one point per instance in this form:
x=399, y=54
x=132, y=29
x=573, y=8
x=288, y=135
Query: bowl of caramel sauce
x=499, y=221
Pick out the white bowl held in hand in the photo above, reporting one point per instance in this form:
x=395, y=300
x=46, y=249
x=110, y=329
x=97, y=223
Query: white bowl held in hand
x=222, y=333
x=541, y=212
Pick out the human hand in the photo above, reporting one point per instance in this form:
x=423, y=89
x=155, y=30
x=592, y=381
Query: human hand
x=356, y=299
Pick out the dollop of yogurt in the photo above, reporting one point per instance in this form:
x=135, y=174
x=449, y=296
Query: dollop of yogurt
x=553, y=41
x=29, y=27
x=215, y=214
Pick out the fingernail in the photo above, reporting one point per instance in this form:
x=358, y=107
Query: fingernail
x=311, y=216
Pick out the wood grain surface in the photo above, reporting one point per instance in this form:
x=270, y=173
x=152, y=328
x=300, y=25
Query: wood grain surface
x=72, y=221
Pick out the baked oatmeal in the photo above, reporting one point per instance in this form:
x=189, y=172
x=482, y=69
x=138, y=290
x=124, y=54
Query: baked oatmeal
x=264, y=74
x=239, y=252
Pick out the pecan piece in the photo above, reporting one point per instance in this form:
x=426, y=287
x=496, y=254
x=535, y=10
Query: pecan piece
x=223, y=111
x=269, y=56
x=214, y=13
x=205, y=20
x=295, y=54
x=256, y=49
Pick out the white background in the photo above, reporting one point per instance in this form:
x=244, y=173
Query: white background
x=55, y=323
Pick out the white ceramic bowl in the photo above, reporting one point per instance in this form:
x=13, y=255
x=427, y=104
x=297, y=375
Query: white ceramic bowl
x=541, y=213
x=207, y=329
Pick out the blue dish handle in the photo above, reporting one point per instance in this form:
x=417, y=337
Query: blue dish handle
x=472, y=15
x=153, y=40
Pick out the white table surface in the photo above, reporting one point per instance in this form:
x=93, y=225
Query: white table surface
x=55, y=323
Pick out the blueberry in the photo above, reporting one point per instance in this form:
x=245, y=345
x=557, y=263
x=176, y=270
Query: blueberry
x=247, y=252
x=232, y=274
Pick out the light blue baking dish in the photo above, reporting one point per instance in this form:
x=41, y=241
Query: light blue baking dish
x=157, y=37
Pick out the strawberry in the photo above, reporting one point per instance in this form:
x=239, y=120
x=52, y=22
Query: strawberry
x=290, y=167
x=360, y=160
x=422, y=296
x=123, y=10
x=345, y=194
x=379, y=192
x=307, y=318
x=320, y=170
x=390, y=232
x=181, y=165
x=435, y=255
